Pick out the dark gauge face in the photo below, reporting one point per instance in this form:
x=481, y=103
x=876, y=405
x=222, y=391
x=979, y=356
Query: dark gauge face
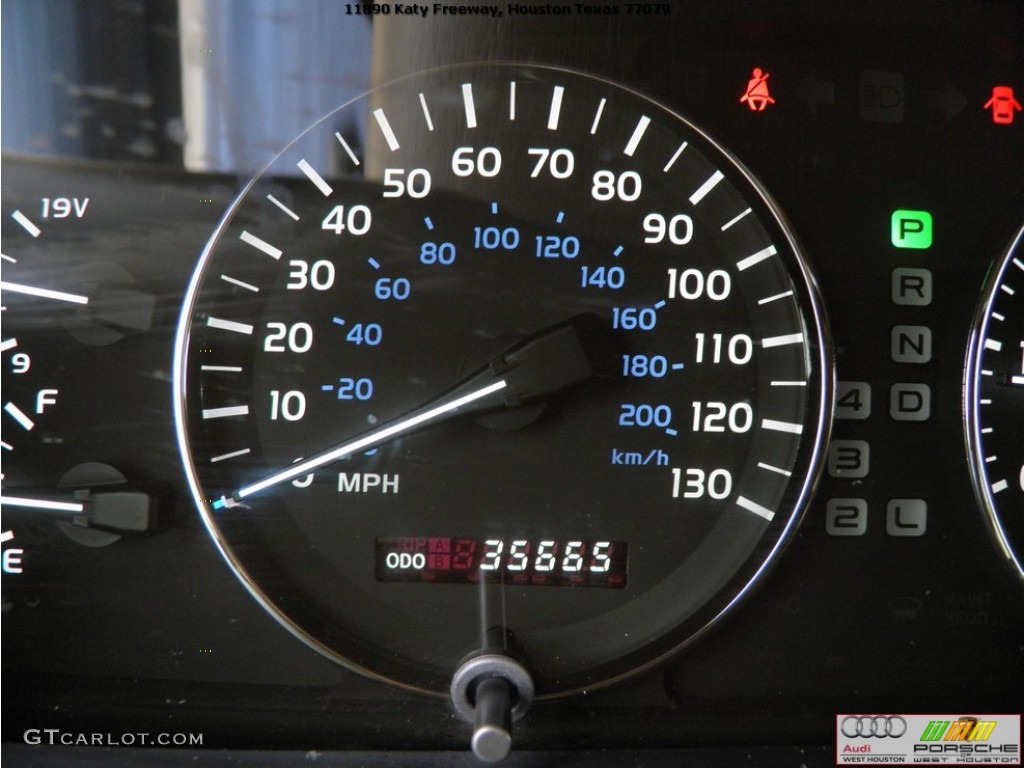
x=995, y=402
x=502, y=347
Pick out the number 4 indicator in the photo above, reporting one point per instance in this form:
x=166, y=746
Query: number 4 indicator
x=853, y=400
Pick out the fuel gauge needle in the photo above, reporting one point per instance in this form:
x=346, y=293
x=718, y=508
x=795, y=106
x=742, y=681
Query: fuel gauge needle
x=547, y=362
x=43, y=293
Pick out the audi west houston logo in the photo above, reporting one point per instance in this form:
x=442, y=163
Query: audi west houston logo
x=877, y=726
x=955, y=739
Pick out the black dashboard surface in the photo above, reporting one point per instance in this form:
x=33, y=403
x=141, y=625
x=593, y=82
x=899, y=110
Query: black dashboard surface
x=879, y=107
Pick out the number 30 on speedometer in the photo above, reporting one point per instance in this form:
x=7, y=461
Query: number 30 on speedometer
x=501, y=347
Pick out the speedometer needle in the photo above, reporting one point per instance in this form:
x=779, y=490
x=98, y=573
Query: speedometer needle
x=367, y=440
x=547, y=362
x=43, y=293
x=42, y=505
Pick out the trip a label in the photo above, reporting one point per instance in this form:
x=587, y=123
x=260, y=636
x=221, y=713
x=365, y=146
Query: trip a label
x=928, y=739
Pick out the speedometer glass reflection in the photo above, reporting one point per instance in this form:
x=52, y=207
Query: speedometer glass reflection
x=497, y=347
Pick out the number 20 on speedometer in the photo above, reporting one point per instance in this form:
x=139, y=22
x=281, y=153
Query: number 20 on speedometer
x=502, y=347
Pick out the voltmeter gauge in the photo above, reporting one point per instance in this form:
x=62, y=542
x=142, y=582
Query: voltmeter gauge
x=994, y=402
x=502, y=352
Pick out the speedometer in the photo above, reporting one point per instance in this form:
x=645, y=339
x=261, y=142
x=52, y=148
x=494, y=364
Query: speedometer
x=502, y=356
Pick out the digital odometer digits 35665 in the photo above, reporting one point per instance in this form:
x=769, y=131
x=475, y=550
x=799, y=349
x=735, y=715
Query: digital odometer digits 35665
x=488, y=338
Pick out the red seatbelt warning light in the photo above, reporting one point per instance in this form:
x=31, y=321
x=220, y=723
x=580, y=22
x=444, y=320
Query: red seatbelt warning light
x=757, y=96
x=1002, y=105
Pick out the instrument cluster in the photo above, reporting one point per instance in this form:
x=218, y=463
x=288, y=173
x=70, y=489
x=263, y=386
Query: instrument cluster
x=600, y=381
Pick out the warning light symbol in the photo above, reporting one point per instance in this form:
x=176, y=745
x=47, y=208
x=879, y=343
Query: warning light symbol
x=1002, y=105
x=757, y=96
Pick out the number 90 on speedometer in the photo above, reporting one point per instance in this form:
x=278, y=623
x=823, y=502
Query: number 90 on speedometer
x=502, y=347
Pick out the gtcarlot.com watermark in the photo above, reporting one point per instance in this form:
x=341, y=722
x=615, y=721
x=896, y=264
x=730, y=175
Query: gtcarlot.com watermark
x=55, y=737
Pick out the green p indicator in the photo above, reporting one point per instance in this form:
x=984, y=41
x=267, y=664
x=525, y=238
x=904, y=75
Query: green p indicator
x=911, y=229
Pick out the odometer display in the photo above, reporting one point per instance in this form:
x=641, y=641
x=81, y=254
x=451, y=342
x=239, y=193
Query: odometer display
x=515, y=562
x=512, y=305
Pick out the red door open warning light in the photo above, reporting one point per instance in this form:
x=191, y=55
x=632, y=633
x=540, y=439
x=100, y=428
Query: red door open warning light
x=1002, y=105
x=757, y=96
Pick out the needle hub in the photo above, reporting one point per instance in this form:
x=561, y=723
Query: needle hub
x=491, y=691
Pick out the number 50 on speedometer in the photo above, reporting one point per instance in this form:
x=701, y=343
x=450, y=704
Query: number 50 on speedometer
x=502, y=351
